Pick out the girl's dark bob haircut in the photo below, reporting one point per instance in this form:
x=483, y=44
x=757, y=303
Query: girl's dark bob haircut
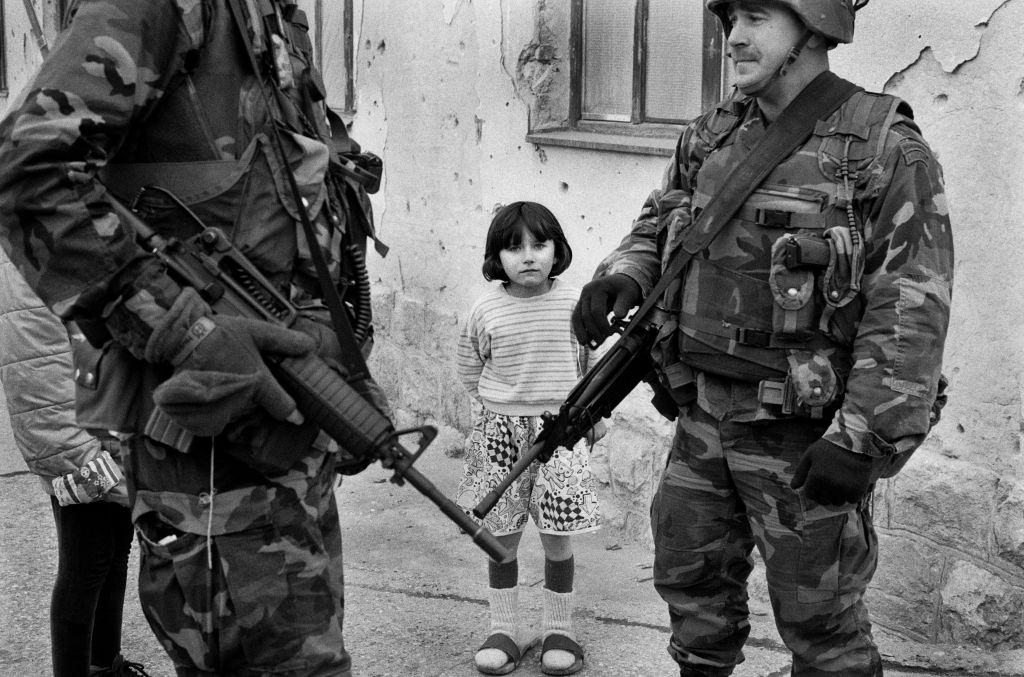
x=507, y=229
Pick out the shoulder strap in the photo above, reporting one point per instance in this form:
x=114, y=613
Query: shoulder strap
x=350, y=348
x=820, y=98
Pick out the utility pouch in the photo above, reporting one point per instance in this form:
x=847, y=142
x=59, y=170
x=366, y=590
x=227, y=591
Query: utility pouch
x=675, y=385
x=805, y=251
x=844, y=266
x=815, y=384
x=793, y=313
x=811, y=389
x=108, y=387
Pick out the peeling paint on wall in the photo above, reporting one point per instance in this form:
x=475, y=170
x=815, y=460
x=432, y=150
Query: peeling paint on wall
x=450, y=8
x=542, y=69
x=892, y=37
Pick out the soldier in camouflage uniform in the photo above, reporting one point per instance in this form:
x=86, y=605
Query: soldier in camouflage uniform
x=803, y=346
x=234, y=508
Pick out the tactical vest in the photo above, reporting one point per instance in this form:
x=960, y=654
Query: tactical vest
x=205, y=152
x=208, y=142
x=775, y=295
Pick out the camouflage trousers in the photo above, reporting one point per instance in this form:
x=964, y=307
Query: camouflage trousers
x=267, y=600
x=726, y=490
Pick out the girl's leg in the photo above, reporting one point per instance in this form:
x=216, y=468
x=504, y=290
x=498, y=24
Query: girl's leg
x=559, y=570
x=117, y=530
x=503, y=596
x=83, y=557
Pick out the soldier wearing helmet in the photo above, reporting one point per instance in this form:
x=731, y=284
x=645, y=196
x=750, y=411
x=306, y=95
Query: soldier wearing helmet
x=803, y=346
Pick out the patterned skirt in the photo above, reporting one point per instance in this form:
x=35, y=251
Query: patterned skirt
x=559, y=495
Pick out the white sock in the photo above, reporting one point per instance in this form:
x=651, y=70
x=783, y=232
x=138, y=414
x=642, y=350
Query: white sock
x=504, y=604
x=558, y=608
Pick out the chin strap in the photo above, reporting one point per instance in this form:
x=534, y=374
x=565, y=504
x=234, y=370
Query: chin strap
x=791, y=58
x=794, y=53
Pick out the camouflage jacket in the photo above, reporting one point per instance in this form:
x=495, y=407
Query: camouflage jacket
x=100, y=101
x=106, y=74
x=891, y=332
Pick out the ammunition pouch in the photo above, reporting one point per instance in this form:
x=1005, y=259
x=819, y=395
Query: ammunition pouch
x=672, y=380
x=110, y=388
x=811, y=389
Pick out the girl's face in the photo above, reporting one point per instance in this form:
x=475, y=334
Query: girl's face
x=528, y=265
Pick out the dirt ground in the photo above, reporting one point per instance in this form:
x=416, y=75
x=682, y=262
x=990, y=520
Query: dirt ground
x=416, y=592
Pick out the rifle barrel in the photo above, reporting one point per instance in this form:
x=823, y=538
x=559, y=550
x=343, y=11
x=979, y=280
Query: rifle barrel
x=322, y=395
x=517, y=469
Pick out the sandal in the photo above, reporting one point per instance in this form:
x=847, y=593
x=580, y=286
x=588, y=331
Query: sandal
x=556, y=641
x=508, y=646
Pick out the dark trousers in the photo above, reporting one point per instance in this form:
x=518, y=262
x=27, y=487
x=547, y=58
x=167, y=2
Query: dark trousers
x=93, y=543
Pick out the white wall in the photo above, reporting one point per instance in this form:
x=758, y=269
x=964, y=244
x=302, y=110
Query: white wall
x=440, y=100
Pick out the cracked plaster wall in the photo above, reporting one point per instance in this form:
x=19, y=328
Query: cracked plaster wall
x=447, y=103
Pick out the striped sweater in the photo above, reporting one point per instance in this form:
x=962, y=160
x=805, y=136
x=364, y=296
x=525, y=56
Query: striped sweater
x=518, y=356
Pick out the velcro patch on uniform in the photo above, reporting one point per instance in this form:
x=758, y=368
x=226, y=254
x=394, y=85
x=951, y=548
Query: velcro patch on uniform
x=914, y=151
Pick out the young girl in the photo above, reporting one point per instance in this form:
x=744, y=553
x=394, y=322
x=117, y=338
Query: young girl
x=518, y=358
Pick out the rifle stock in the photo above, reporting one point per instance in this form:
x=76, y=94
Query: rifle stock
x=595, y=396
x=233, y=286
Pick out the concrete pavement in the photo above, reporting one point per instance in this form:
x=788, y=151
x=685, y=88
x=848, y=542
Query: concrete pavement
x=416, y=591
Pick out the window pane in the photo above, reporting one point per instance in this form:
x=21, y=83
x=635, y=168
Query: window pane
x=675, y=44
x=607, y=59
x=334, y=67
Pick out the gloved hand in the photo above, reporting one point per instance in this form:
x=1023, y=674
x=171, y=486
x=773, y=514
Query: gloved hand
x=833, y=476
x=220, y=375
x=616, y=293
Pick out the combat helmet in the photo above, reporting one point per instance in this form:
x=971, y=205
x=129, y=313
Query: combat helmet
x=831, y=19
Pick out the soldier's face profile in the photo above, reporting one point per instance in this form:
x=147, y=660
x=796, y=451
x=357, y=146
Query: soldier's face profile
x=760, y=39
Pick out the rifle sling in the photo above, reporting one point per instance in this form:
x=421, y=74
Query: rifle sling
x=819, y=99
x=352, y=353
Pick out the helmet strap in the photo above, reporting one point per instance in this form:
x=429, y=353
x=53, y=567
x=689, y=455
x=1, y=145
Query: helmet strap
x=794, y=53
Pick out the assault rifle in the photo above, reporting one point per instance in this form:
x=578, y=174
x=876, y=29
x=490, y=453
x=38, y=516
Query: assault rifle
x=628, y=361
x=232, y=285
x=615, y=375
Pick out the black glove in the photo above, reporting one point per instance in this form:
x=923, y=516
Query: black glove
x=831, y=475
x=220, y=377
x=617, y=293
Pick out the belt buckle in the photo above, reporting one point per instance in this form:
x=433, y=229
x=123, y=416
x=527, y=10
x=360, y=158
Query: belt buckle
x=776, y=393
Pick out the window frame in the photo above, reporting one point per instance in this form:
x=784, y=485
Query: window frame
x=348, y=45
x=638, y=136
x=711, y=67
x=4, y=87
x=348, y=108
